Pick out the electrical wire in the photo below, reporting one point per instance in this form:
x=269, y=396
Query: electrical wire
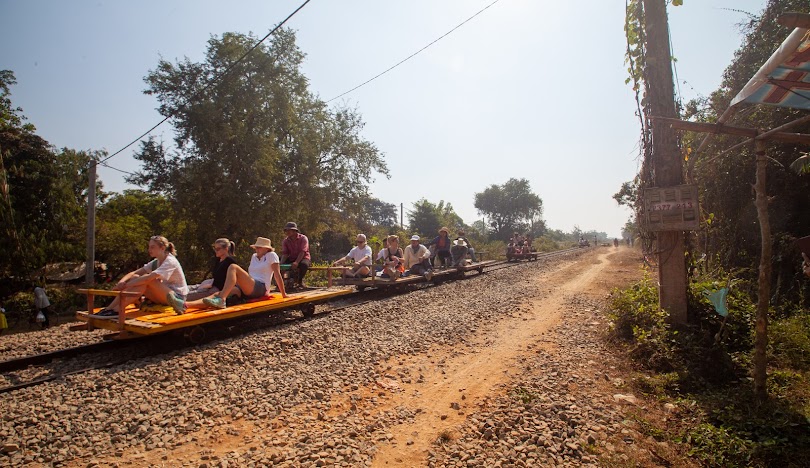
x=210, y=83
x=413, y=54
x=115, y=168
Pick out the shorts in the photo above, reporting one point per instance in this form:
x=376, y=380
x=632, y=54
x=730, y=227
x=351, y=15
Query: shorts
x=196, y=294
x=259, y=290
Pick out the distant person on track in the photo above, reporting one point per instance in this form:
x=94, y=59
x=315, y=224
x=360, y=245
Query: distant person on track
x=41, y=304
x=253, y=284
x=442, y=244
x=361, y=255
x=295, y=250
x=393, y=259
x=158, y=280
x=470, y=249
x=224, y=250
x=459, y=252
x=417, y=259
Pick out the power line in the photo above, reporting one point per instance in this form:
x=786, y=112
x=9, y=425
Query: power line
x=115, y=168
x=413, y=54
x=210, y=83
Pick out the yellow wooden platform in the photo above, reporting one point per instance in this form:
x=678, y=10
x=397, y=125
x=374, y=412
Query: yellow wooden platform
x=149, y=323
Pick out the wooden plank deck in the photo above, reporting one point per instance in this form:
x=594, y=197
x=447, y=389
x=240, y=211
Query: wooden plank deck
x=149, y=323
x=439, y=274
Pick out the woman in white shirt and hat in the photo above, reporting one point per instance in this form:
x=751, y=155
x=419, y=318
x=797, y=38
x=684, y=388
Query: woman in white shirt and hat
x=254, y=283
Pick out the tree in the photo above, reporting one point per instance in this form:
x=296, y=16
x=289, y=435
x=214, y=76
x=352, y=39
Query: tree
x=44, y=194
x=424, y=218
x=427, y=218
x=126, y=222
x=257, y=148
x=379, y=213
x=511, y=207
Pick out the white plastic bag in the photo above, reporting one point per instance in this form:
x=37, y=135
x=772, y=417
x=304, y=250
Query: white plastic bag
x=40, y=317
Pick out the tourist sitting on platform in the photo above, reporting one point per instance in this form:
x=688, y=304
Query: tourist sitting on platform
x=224, y=250
x=158, y=280
x=393, y=259
x=459, y=252
x=417, y=259
x=442, y=244
x=470, y=249
x=295, y=249
x=381, y=254
x=253, y=284
x=361, y=254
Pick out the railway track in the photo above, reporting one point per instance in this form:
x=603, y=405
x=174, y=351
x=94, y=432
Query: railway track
x=111, y=353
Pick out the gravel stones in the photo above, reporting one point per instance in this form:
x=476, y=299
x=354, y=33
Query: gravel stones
x=553, y=413
x=259, y=381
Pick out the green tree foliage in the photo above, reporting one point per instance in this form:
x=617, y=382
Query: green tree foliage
x=424, y=218
x=427, y=218
x=44, y=194
x=256, y=149
x=511, y=207
x=376, y=212
x=725, y=182
x=126, y=222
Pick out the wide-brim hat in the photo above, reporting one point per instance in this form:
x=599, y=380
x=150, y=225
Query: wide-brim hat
x=262, y=242
x=291, y=226
x=445, y=230
x=460, y=242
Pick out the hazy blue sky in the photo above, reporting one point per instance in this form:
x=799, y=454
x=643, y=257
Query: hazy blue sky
x=531, y=89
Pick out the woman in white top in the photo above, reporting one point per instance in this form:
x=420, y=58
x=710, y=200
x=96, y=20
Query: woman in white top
x=254, y=283
x=158, y=280
x=361, y=254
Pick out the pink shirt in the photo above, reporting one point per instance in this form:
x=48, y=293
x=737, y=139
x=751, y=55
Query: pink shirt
x=291, y=247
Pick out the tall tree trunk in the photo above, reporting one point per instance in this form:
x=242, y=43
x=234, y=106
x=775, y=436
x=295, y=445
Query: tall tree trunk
x=764, y=289
x=666, y=157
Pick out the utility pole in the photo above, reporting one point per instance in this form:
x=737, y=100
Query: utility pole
x=666, y=158
x=89, y=275
x=402, y=215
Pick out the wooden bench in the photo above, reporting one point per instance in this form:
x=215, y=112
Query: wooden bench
x=329, y=271
x=91, y=297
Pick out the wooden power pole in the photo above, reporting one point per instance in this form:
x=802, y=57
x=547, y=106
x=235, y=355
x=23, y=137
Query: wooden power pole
x=89, y=275
x=666, y=158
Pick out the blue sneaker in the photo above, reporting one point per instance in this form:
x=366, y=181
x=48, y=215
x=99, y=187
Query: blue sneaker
x=177, y=304
x=215, y=302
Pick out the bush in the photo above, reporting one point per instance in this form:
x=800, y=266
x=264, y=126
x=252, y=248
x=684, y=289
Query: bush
x=790, y=342
x=739, y=326
x=637, y=319
x=717, y=446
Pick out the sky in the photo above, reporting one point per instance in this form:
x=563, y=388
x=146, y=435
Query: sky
x=528, y=89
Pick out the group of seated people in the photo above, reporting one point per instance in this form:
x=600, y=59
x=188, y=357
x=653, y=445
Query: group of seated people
x=162, y=280
x=415, y=258
x=519, y=245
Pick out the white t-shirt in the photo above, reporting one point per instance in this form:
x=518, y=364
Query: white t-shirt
x=172, y=274
x=358, y=254
x=40, y=298
x=411, y=257
x=259, y=268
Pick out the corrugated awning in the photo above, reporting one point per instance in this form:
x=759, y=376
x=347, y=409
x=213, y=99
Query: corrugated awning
x=784, y=80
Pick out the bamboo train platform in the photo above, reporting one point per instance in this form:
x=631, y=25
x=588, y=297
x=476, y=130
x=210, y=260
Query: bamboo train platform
x=135, y=322
x=439, y=275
